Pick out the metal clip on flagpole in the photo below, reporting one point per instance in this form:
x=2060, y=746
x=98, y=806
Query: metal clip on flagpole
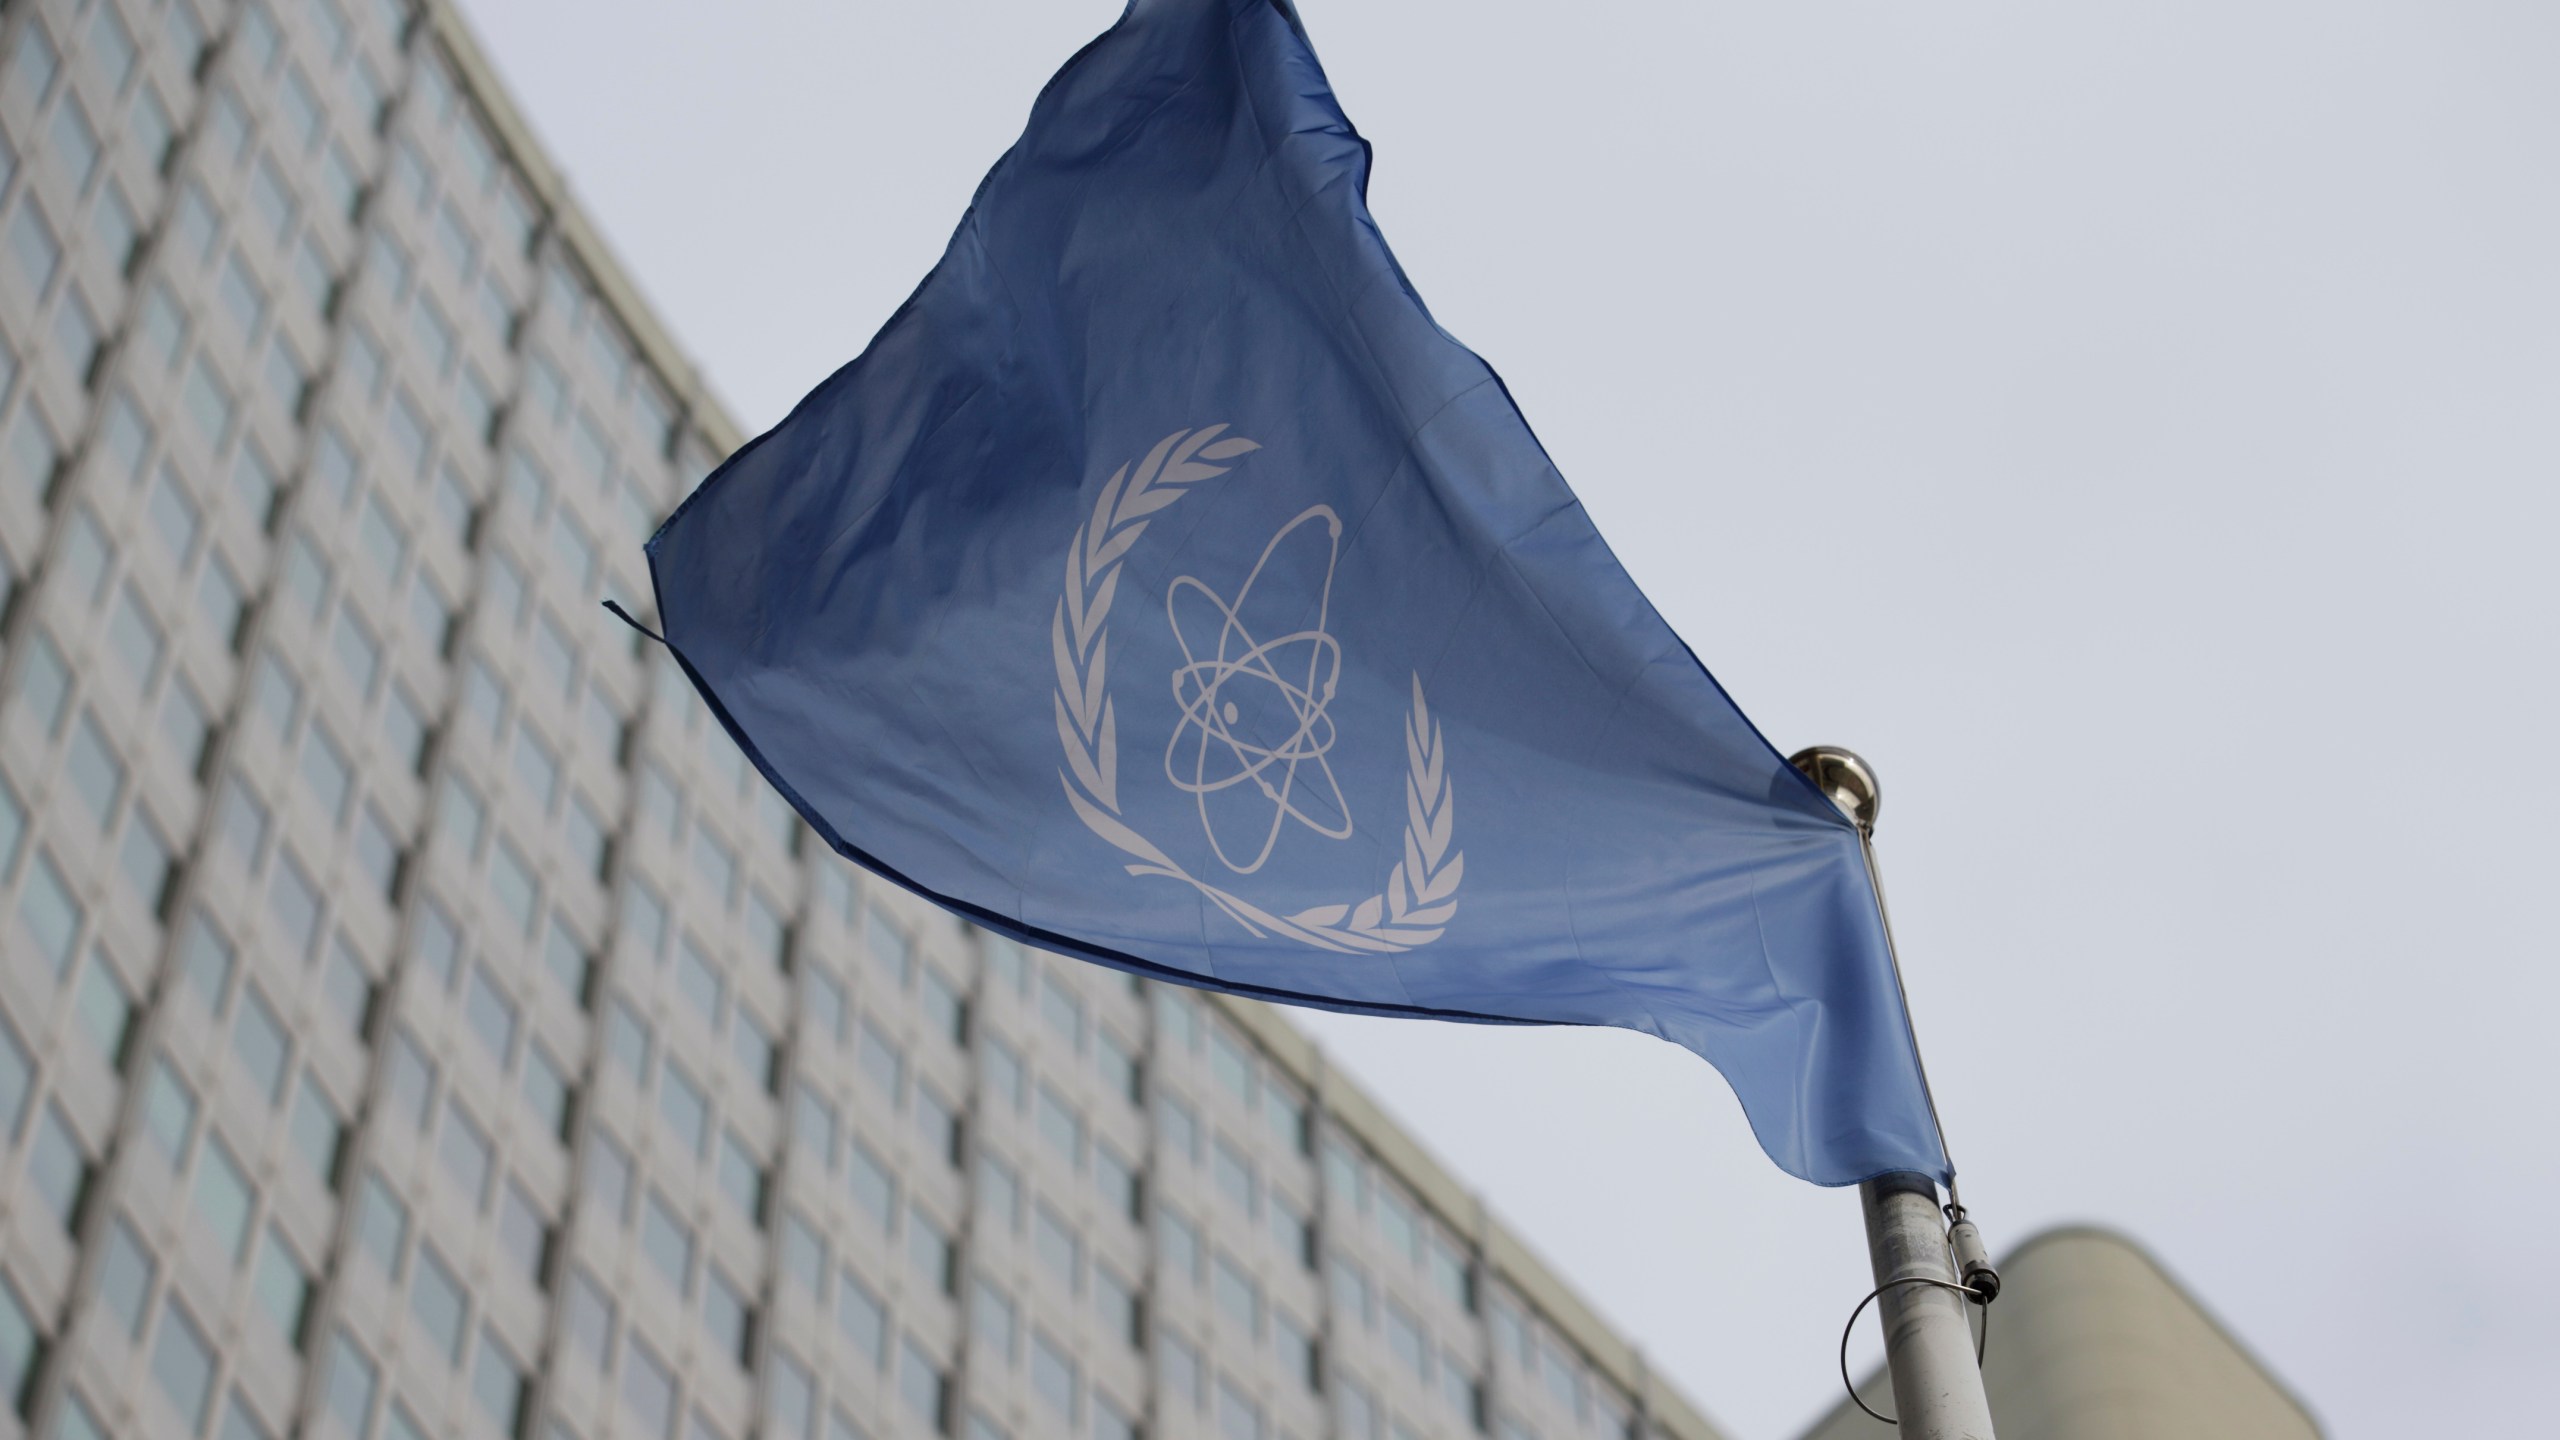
x=1926, y=1266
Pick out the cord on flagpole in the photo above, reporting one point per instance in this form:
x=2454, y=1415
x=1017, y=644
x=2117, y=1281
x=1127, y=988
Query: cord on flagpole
x=1921, y=1251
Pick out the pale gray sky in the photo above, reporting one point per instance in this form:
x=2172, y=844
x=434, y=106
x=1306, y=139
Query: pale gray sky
x=2133, y=425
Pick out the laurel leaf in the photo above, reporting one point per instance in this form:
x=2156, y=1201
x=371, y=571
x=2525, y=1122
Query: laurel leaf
x=1430, y=778
x=1118, y=545
x=1439, y=914
x=1100, y=529
x=1417, y=821
x=1422, y=712
x=1416, y=939
x=1414, y=859
x=1147, y=504
x=1153, y=465
x=1322, y=915
x=1075, y=583
x=1445, y=883
x=1442, y=825
x=1191, y=472
x=1091, y=699
x=1191, y=446
x=1077, y=757
x=1069, y=683
x=1109, y=751
x=1366, y=917
x=1228, y=449
x=1398, y=901
x=1111, y=829
x=1100, y=608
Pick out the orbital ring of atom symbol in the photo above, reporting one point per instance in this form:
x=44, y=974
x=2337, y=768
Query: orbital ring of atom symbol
x=1254, y=711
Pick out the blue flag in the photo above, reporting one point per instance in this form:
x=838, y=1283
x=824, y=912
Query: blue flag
x=1164, y=588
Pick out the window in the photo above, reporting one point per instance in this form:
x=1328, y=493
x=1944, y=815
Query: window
x=861, y=1317
x=648, y=1388
x=881, y=1060
x=352, y=1378
x=1406, y=1341
x=589, y=1318
x=169, y=1112
x=924, y=1387
x=325, y=771
x=1180, y=1366
x=1297, y=1349
x=125, y=1273
x=1233, y=1067
x=437, y=1300
x=813, y=1120
x=1060, y=1124
x=930, y=1249
x=1451, y=1275
x=753, y=1045
x=1053, y=1377
x=183, y=1364
x=728, y=1315
x=944, y=1007
x=57, y=1167
x=991, y=1316
x=681, y=1104
x=465, y=1150
x=1240, y=1419
x=1175, y=1125
x=106, y=1013
x=259, y=1042
x=1056, y=1245
x=1350, y=1290
x=547, y=1091
x=888, y=946
x=382, y=1223
x=668, y=1242
x=804, y=1255
x=498, y=1383
x=1123, y=1315
x=1065, y=1014
x=1118, y=1181
x=1343, y=1176
x=319, y=1133
x=790, y=1395
x=48, y=914
x=1238, y=1297
x=940, y=1125
x=1177, y=1244
x=184, y=725
x=873, y=1188
x=1176, y=1021
x=524, y=1233
x=1234, y=1174
x=96, y=774
x=492, y=1015
x=1119, y=1067
x=241, y=823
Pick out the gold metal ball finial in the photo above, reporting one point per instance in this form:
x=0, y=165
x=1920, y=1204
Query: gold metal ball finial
x=1847, y=779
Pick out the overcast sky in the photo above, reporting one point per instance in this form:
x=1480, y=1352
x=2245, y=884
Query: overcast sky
x=2134, y=426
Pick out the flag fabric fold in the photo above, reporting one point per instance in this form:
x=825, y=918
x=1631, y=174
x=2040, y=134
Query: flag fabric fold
x=1163, y=587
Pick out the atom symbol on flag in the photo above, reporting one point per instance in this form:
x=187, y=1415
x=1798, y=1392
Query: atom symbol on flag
x=1254, y=718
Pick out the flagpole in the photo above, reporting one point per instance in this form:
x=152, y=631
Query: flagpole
x=1928, y=1341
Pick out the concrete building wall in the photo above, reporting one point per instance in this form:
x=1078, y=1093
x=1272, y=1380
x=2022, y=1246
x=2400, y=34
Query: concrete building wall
x=2092, y=1340
x=415, y=1019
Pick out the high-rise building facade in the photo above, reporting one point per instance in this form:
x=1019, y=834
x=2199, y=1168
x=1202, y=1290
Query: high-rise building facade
x=416, y=1020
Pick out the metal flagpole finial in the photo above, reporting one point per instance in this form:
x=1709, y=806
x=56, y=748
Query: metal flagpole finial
x=1846, y=778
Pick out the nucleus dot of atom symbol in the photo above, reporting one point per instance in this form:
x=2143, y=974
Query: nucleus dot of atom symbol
x=1283, y=683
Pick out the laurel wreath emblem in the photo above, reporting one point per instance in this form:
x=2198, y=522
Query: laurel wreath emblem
x=1421, y=893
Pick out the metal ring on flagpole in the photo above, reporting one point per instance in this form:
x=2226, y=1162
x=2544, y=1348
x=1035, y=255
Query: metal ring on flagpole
x=1981, y=1344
